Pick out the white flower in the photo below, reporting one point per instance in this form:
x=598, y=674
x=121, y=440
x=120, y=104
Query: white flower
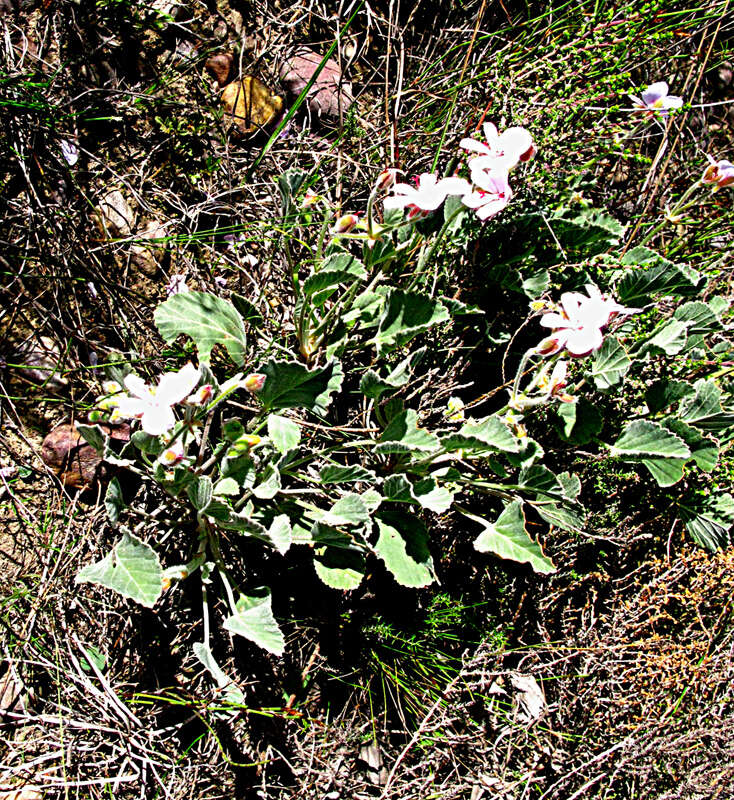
x=490, y=195
x=577, y=325
x=502, y=151
x=656, y=101
x=153, y=405
x=427, y=195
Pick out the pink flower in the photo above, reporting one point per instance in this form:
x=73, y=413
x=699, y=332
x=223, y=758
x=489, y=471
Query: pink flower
x=578, y=323
x=656, y=101
x=492, y=192
x=428, y=194
x=502, y=151
x=153, y=405
x=718, y=173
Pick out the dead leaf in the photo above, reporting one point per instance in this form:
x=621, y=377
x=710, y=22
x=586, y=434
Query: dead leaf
x=251, y=104
x=530, y=698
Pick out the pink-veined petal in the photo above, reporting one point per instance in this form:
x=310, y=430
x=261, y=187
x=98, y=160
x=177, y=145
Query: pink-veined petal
x=473, y=146
x=453, y=186
x=491, y=134
x=129, y=407
x=176, y=386
x=582, y=341
x=157, y=419
x=553, y=320
x=137, y=386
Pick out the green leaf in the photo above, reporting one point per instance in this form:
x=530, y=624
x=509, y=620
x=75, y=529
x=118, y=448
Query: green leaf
x=348, y=510
x=113, y=501
x=709, y=519
x=638, y=286
x=645, y=438
x=665, y=392
x=610, y=364
x=281, y=533
x=578, y=422
x=432, y=496
x=269, y=484
x=372, y=385
x=289, y=384
x=204, y=655
x=704, y=451
x=403, y=435
x=200, y=492
x=403, y=546
x=570, y=485
x=536, y=284
x=352, y=474
x=92, y=435
x=247, y=310
x=289, y=184
x=253, y=619
x=560, y=516
x=698, y=317
x=338, y=568
x=132, y=569
x=398, y=489
x=227, y=487
x=207, y=319
x=284, y=433
x=407, y=314
x=666, y=471
x=507, y=538
x=670, y=339
x=483, y=434
x=704, y=409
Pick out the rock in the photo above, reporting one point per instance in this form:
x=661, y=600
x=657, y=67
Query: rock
x=250, y=104
x=329, y=94
x=148, y=258
x=76, y=463
x=114, y=216
x=220, y=67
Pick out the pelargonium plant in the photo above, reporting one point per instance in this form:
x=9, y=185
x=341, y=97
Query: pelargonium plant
x=318, y=442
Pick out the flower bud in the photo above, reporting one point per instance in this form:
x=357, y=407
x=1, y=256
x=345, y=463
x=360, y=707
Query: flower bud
x=385, y=180
x=201, y=396
x=111, y=387
x=310, y=199
x=345, y=223
x=254, y=382
x=172, y=455
x=548, y=346
x=243, y=445
x=95, y=416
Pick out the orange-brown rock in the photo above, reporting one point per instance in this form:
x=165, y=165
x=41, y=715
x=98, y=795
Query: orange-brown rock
x=250, y=104
x=76, y=463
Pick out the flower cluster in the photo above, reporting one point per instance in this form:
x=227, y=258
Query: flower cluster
x=489, y=190
x=578, y=322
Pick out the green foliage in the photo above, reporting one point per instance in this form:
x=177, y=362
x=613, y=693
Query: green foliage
x=132, y=569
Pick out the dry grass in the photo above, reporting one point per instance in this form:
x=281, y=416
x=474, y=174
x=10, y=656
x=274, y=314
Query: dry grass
x=634, y=664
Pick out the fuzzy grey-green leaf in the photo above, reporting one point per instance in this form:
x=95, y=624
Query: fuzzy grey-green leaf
x=132, y=569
